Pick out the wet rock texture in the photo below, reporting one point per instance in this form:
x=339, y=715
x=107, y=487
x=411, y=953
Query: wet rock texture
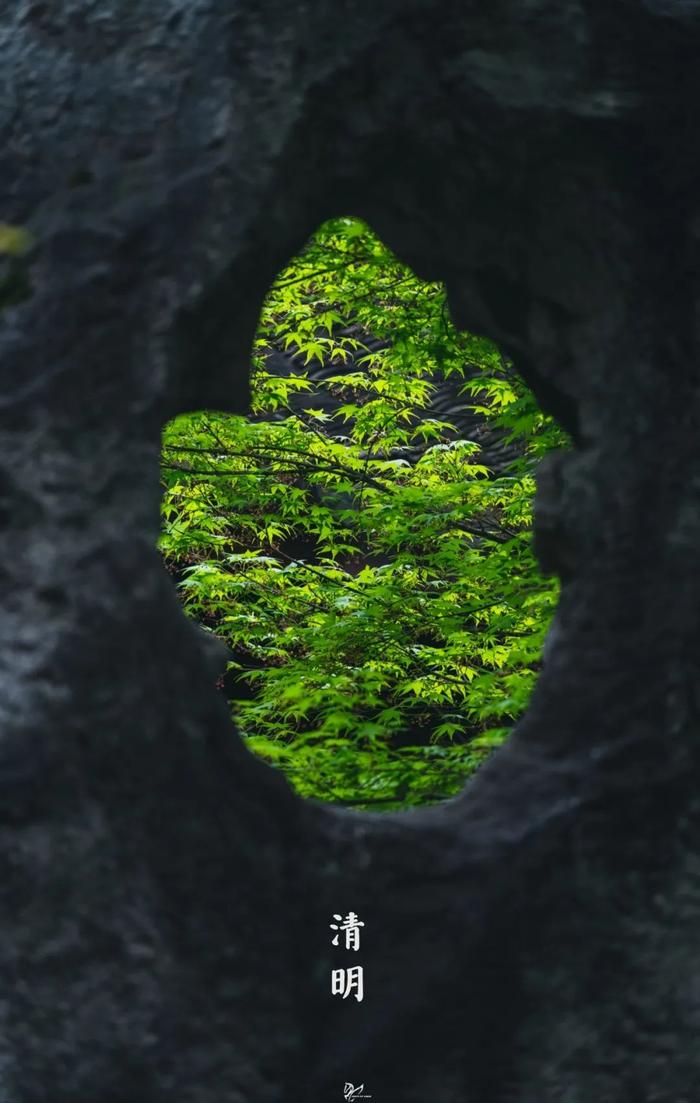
x=164, y=898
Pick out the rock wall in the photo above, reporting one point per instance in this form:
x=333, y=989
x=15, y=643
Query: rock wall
x=164, y=898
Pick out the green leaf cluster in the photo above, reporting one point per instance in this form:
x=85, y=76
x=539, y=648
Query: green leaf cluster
x=372, y=576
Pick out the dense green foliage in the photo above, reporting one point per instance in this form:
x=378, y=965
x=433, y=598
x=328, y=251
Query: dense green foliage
x=382, y=663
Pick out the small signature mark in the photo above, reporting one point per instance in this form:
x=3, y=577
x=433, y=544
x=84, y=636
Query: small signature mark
x=352, y=1092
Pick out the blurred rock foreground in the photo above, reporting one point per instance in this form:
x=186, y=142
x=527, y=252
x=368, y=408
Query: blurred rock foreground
x=165, y=900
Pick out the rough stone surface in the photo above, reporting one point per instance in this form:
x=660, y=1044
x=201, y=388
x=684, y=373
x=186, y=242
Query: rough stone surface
x=164, y=899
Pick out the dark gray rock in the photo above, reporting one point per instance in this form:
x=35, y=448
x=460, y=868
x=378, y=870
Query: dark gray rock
x=164, y=899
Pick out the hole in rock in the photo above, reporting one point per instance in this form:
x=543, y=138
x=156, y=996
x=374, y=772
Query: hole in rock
x=361, y=541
